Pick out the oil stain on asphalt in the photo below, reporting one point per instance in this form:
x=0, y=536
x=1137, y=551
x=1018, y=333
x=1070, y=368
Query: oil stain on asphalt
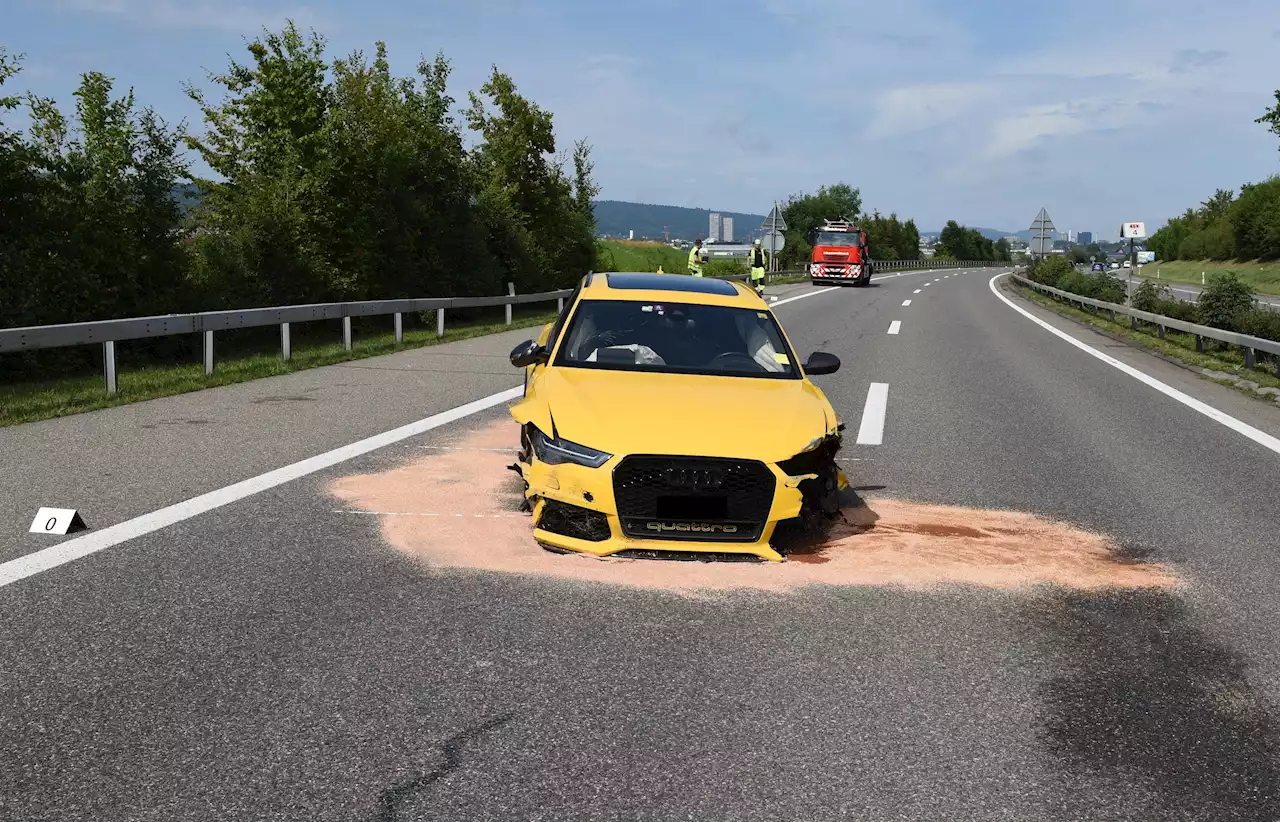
x=1142, y=697
x=884, y=542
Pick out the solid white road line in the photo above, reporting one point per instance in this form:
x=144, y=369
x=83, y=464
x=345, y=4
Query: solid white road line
x=73, y=549
x=895, y=326
x=871, y=432
x=1261, y=437
x=906, y=303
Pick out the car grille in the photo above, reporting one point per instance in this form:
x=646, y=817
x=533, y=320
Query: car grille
x=693, y=498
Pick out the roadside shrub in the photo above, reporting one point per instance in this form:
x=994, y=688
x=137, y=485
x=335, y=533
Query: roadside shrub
x=1258, y=322
x=1073, y=281
x=1101, y=286
x=1148, y=296
x=1104, y=286
x=1050, y=270
x=1178, y=310
x=724, y=268
x=1223, y=299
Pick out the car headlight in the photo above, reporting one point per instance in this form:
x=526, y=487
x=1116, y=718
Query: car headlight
x=554, y=451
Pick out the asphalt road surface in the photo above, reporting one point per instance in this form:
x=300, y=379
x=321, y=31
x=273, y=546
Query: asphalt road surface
x=258, y=656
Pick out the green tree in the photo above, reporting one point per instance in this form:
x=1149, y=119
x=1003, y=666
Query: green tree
x=98, y=233
x=1255, y=220
x=959, y=241
x=267, y=139
x=909, y=244
x=526, y=194
x=1271, y=117
x=805, y=212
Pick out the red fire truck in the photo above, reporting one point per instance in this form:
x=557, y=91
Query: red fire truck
x=840, y=254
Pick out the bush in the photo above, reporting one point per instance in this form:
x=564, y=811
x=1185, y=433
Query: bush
x=1050, y=270
x=1258, y=322
x=1149, y=295
x=724, y=268
x=1178, y=310
x=1104, y=286
x=1223, y=299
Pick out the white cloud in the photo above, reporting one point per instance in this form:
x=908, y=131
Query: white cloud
x=920, y=107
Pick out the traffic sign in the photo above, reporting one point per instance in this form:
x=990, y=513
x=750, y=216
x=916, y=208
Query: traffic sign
x=1131, y=231
x=773, y=240
x=1042, y=223
x=774, y=222
x=1042, y=239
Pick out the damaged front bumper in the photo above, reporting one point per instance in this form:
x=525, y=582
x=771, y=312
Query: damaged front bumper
x=576, y=508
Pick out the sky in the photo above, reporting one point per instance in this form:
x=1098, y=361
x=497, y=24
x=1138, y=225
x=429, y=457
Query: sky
x=981, y=111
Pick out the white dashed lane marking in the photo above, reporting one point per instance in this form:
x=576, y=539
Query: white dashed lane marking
x=895, y=326
x=906, y=303
x=871, y=432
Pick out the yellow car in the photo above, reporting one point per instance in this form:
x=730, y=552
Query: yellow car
x=668, y=416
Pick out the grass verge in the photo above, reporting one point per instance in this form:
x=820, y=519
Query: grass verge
x=28, y=402
x=1175, y=346
x=626, y=255
x=1261, y=277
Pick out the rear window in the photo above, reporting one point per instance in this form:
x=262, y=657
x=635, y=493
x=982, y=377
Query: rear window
x=675, y=337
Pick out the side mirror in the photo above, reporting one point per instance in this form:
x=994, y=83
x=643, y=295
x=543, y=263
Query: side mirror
x=820, y=362
x=529, y=353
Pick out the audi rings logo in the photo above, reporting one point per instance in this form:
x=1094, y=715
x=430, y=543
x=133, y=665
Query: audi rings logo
x=700, y=478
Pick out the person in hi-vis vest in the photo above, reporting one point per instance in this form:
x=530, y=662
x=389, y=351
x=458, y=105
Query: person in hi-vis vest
x=758, y=261
x=695, y=259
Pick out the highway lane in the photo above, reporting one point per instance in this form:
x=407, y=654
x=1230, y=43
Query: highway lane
x=121, y=462
x=1190, y=293
x=274, y=660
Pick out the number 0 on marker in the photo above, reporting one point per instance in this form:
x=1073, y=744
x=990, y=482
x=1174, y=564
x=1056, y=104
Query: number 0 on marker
x=57, y=521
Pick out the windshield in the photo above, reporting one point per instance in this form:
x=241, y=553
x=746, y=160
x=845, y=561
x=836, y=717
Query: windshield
x=670, y=337
x=848, y=238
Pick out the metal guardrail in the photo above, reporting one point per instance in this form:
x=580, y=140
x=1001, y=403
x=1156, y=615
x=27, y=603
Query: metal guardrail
x=1251, y=345
x=109, y=332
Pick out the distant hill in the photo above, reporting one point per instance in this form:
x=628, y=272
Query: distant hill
x=615, y=219
x=989, y=233
x=187, y=195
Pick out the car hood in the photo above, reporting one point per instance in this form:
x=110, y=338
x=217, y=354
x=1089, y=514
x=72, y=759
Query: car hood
x=627, y=412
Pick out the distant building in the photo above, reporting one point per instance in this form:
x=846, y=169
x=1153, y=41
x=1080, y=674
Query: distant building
x=1086, y=237
x=713, y=235
x=727, y=226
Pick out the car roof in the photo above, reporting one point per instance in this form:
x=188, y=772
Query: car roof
x=643, y=286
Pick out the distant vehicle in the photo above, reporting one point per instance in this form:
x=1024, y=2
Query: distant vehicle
x=1099, y=267
x=1114, y=266
x=1128, y=264
x=840, y=254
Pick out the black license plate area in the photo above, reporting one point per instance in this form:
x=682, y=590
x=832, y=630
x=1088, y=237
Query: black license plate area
x=693, y=508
